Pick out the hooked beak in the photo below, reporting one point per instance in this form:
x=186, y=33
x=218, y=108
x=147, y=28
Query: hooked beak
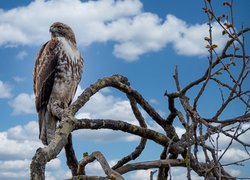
x=52, y=29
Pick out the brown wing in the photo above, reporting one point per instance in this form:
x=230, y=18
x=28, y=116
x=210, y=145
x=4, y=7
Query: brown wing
x=44, y=72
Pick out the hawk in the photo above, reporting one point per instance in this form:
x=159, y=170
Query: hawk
x=57, y=72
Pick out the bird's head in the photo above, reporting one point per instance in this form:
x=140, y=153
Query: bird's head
x=59, y=29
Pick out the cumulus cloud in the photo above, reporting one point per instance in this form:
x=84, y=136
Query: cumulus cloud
x=180, y=131
x=233, y=172
x=19, y=141
x=133, y=31
x=23, y=104
x=19, y=169
x=224, y=140
x=25, y=132
x=18, y=145
x=233, y=154
x=29, y=24
x=236, y=151
x=189, y=39
x=5, y=90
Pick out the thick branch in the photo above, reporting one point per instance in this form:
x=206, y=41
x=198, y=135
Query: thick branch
x=151, y=164
x=122, y=126
x=71, y=157
x=111, y=174
x=44, y=155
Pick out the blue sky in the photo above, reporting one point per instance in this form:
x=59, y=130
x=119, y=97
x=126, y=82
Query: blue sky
x=142, y=40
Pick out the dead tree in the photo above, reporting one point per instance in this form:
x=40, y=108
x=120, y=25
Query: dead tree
x=199, y=130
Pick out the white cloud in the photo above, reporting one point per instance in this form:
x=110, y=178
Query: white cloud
x=145, y=34
x=17, y=147
x=233, y=172
x=14, y=164
x=191, y=39
x=21, y=55
x=133, y=31
x=233, y=154
x=180, y=131
x=19, y=141
x=11, y=35
x=26, y=132
x=30, y=24
x=23, y=104
x=224, y=140
x=5, y=90
x=94, y=168
x=19, y=169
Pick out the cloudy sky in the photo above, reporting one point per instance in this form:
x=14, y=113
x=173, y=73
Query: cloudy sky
x=140, y=39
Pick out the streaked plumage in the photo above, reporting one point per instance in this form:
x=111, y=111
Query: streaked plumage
x=57, y=72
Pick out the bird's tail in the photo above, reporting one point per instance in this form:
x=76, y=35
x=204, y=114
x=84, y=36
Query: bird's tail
x=47, y=126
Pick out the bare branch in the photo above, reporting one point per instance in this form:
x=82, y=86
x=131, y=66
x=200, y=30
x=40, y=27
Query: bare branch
x=122, y=126
x=138, y=150
x=71, y=157
x=150, y=165
x=111, y=174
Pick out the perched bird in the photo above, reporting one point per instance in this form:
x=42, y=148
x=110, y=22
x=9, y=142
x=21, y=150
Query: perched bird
x=57, y=72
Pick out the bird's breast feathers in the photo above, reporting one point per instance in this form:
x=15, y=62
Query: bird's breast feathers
x=68, y=71
x=70, y=50
x=69, y=61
